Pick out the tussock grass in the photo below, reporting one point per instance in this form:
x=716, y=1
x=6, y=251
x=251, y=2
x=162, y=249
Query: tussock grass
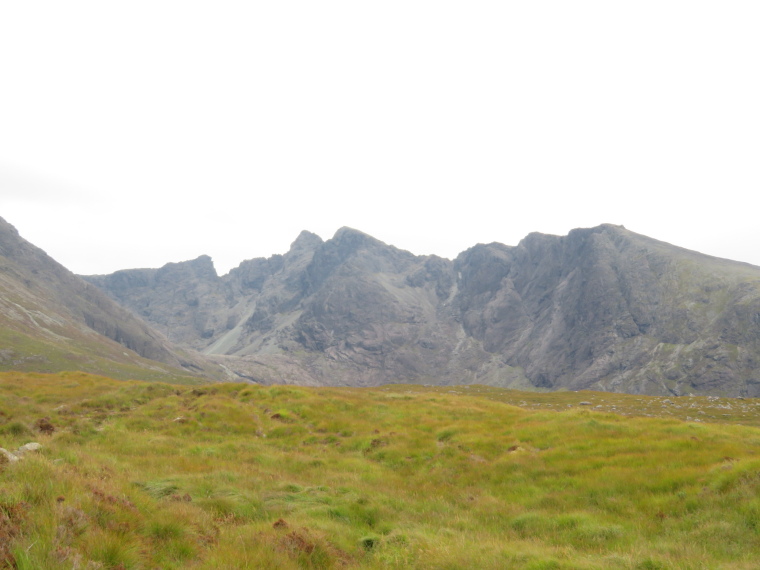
x=236, y=476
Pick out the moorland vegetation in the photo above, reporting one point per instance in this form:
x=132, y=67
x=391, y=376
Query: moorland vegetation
x=147, y=475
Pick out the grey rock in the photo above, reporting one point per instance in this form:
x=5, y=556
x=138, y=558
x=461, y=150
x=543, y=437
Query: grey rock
x=7, y=457
x=601, y=308
x=27, y=447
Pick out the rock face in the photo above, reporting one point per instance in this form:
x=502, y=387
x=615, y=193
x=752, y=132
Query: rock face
x=607, y=308
x=601, y=308
x=52, y=320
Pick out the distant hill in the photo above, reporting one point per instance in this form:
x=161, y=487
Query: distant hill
x=601, y=308
x=51, y=320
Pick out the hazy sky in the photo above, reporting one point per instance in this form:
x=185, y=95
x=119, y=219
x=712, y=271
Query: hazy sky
x=137, y=133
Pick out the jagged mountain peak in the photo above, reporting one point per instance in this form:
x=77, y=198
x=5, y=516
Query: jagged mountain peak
x=201, y=267
x=306, y=240
x=347, y=231
x=351, y=239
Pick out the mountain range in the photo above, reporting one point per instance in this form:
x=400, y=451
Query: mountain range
x=601, y=308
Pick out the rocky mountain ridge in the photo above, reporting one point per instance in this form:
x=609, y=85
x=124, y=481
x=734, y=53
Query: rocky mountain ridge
x=601, y=308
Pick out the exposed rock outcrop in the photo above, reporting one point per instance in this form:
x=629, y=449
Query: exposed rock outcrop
x=601, y=308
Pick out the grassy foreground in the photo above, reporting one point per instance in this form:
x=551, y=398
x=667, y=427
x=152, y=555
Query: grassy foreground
x=141, y=475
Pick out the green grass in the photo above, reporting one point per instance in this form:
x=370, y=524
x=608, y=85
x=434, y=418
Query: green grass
x=693, y=409
x=24, y=352
x=144, y=475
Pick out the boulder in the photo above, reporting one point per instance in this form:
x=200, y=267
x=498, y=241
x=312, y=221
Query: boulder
x=7, y=457
x=27, y=447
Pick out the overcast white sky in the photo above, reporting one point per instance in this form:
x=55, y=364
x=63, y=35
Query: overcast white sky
x=137, y=133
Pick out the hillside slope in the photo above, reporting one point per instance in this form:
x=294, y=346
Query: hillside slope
x=52, y=320
x=601, y=308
